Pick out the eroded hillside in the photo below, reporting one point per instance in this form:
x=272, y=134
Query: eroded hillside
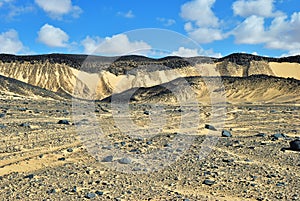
x=95, y=77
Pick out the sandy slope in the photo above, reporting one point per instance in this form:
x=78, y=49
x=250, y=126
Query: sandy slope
x=286, y=70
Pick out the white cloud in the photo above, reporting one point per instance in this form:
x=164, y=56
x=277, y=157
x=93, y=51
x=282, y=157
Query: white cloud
x=200, y=11
x=115, y=45
x=57, y=8
x=251, y=31
x=10, y=42
x=282, y=34
x=52, y=36
x=202, y=24
x=129, y=14
x=166, y=22
x=186, y=52
x=263, y=8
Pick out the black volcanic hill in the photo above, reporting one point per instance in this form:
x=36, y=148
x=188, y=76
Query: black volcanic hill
x=18, y=88
x=118, y=65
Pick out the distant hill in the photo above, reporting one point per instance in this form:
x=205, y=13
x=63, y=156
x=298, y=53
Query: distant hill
x=97, y=77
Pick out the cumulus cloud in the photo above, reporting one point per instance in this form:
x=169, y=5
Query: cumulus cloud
x=202, y=24
x=282, y=34
x=186, y=52
x=52, y=36
x=128, y=14
x=251, y=31
x=115, y=45
x=263, y=8
x=57, y=8
x=10, y=42
x=200, y=11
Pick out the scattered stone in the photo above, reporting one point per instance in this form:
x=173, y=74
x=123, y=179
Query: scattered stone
x=107, y=159
x=25, y=125
x=228, y=160
x=90, y=195
x=208, y=182
x=124, y=161
x=99, y=193
x=69, y=150
x=295, y=145
x=123, y=143
x=2, y=126
x=61, y=159
x=210, y=127
x=52, y=191
x=280, y=184
x=278, y=136
x=147, y=112
x=261, y=135
x=226, y=133
x=30, y=176
x=149, y=142
x=74, y=189
x=2, y=115
x=64, y=121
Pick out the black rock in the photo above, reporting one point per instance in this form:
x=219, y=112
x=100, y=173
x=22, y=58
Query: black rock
x=2, y=126
x=226, y=133
x=25, y=125
x=90, y=195
x=147, y=112
x=52, y=191
x=210, y=127
x=280, y=184
x=69, y=150
x=61, y=159
x=74, y=190
x=208, y=182
x=295, y=145
x=99, y=192
x=30, y=176
x=125, y=161
x=261, y=135
x=64, y=121
x=278, y=136
x=107, y=159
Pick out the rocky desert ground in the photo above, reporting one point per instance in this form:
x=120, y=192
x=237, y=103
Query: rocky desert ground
x=48, y=153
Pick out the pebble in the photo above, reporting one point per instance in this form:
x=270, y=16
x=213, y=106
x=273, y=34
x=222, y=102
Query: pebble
x=208, y=182
x=30, y=176
x=261, y=135
x=90, y=195
x=69, y=150
x=61, y=159
x=107, y=159
x=280, y=184
x=124, y=161
x=226, y=133
x=2, y=115
x=2, y=126
x=26, y=125
x=210, y=127
x=278, y=136
x=99, y=192
x=66, y=122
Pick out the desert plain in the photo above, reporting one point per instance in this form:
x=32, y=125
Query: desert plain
x=233, y=148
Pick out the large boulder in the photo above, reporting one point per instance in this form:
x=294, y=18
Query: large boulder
x=295, y=145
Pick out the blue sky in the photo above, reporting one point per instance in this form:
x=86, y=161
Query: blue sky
x=154, y=28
